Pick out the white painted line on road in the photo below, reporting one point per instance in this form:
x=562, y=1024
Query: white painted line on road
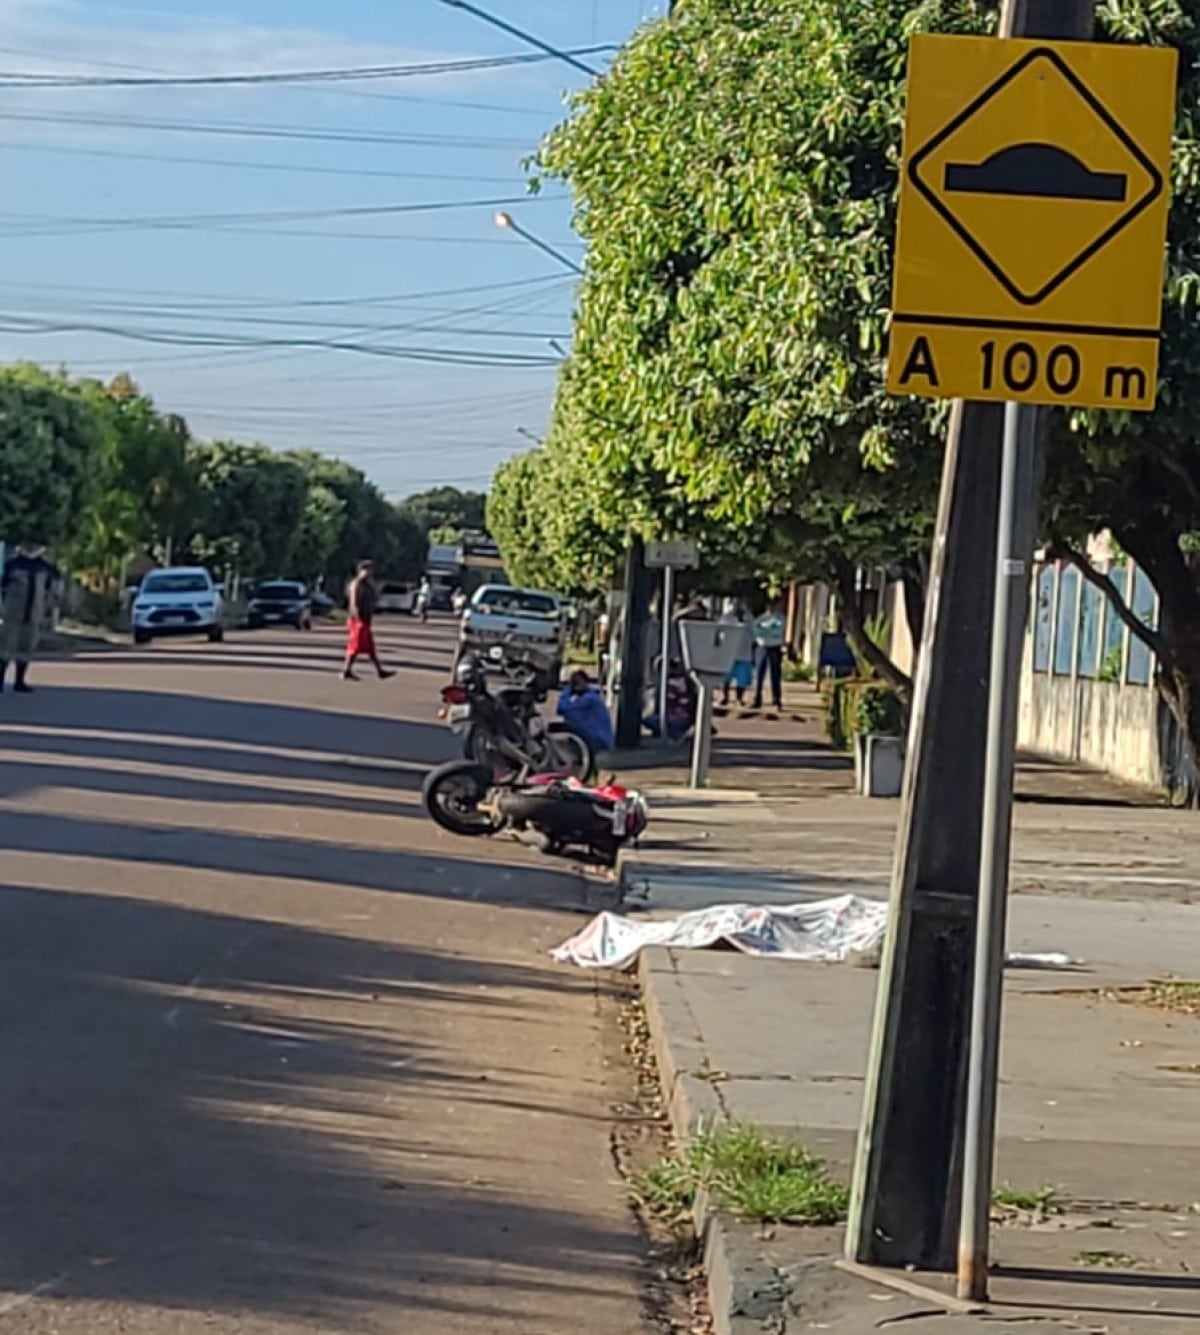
x=18, y=1300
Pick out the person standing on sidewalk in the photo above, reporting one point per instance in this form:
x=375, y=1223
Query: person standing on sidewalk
x=360, y=628
x=769, y=630
x=26, y=585
x=741, y=675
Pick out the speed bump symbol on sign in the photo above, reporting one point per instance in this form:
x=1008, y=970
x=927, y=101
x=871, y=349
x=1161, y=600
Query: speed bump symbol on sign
x=1032, y=224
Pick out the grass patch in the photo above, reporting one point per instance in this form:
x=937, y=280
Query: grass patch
x=746, y=1172
x=1175, y=994
x=1040, y=1202
x=795, y=671
x=1105, y=1260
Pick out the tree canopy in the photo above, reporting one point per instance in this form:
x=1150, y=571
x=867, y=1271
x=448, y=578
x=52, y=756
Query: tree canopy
x=50, y=440
x=446, y=512
x=98, y=472
x=735, y=176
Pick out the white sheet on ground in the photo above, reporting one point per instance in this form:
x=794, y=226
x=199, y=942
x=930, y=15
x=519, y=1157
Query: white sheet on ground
x=825, y=931
x=829, y=929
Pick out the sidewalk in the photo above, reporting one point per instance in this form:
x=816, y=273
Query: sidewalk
x=1098, y=1094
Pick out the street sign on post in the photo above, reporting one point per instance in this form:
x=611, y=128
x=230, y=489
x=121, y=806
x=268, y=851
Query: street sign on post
x=1029, y=271
x=709, y=650
x=1033, y=213
x=682, y=554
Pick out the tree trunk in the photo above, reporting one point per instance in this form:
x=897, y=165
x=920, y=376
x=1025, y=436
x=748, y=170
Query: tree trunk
x=871, y=654
x=1158, y=552
x=913, y=583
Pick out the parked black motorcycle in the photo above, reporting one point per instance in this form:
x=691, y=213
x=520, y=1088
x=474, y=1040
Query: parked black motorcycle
x=503, y=730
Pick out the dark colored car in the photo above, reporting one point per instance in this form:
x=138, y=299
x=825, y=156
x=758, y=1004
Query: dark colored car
x=280, y=603
x=441, y=597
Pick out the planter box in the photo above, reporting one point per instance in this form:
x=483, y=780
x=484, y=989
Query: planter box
x=878, y=765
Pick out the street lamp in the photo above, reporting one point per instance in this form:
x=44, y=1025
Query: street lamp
x=525, y=431
x=506, y=222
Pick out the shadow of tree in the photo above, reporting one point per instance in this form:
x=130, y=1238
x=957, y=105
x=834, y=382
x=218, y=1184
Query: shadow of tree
x=21, y=776
x=296, y=859
x=259, y=1138
x=244, y=723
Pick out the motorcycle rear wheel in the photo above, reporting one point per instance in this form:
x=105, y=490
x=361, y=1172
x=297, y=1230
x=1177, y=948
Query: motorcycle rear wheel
x=452, y=794
x=573, y=753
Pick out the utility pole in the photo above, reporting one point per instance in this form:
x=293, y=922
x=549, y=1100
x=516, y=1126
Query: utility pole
x=635, y=619
x=636, y=616
x=954, y=833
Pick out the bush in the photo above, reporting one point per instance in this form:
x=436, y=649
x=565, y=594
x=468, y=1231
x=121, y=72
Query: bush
x=877, y=709
x=835, y=693
x=853, y=706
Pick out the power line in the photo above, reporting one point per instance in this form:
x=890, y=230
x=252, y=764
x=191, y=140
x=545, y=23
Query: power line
x=473, y=402
x=354, y=74
x=51, y=226
x=232, y=302
x=172, y=159
x=521, y=35
x=303, y=133
x=17, y=324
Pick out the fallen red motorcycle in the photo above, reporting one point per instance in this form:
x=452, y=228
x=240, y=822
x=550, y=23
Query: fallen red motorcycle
x=469, y=799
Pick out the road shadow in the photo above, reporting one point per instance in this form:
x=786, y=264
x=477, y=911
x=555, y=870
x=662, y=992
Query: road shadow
x=522, y=880
x=169, y=718
x=1098, y=1293
x=739, y=751
x=21, y=777
x=799, y=753
x=256, y=1139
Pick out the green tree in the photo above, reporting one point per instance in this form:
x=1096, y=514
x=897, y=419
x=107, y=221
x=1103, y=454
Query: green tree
x=320, y=531
x=51, y=438
x=250, y=504
x=141, y=487
x=371, y=529
x=446, y=511
x=734, y=177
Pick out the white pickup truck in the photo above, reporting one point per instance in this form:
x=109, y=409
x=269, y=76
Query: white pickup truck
x=523, y=619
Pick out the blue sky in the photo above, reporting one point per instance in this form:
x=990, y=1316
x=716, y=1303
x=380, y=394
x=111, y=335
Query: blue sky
x=86, y=170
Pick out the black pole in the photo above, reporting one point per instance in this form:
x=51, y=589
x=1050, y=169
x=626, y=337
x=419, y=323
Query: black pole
x=636, y=615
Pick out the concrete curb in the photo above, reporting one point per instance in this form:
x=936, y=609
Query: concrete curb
x=747, y=1294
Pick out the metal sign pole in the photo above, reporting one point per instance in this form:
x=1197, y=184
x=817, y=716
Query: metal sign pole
x=702, y=745
x=1014, y=547
x=664, y=671
x=1014, y=543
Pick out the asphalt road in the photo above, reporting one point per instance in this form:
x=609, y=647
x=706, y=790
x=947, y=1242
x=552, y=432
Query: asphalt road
x=277, y=1054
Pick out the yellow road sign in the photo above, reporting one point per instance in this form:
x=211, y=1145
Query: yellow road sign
x=1033, y=212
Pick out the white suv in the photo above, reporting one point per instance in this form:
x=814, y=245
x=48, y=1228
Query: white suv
x=182, y=600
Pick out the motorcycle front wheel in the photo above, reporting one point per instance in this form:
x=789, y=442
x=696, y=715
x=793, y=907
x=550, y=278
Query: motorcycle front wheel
x=453, y=794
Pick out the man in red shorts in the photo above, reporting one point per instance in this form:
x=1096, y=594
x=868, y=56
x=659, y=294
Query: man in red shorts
x=360, y=638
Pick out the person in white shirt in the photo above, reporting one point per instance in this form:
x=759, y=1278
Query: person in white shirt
x=769, y=630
